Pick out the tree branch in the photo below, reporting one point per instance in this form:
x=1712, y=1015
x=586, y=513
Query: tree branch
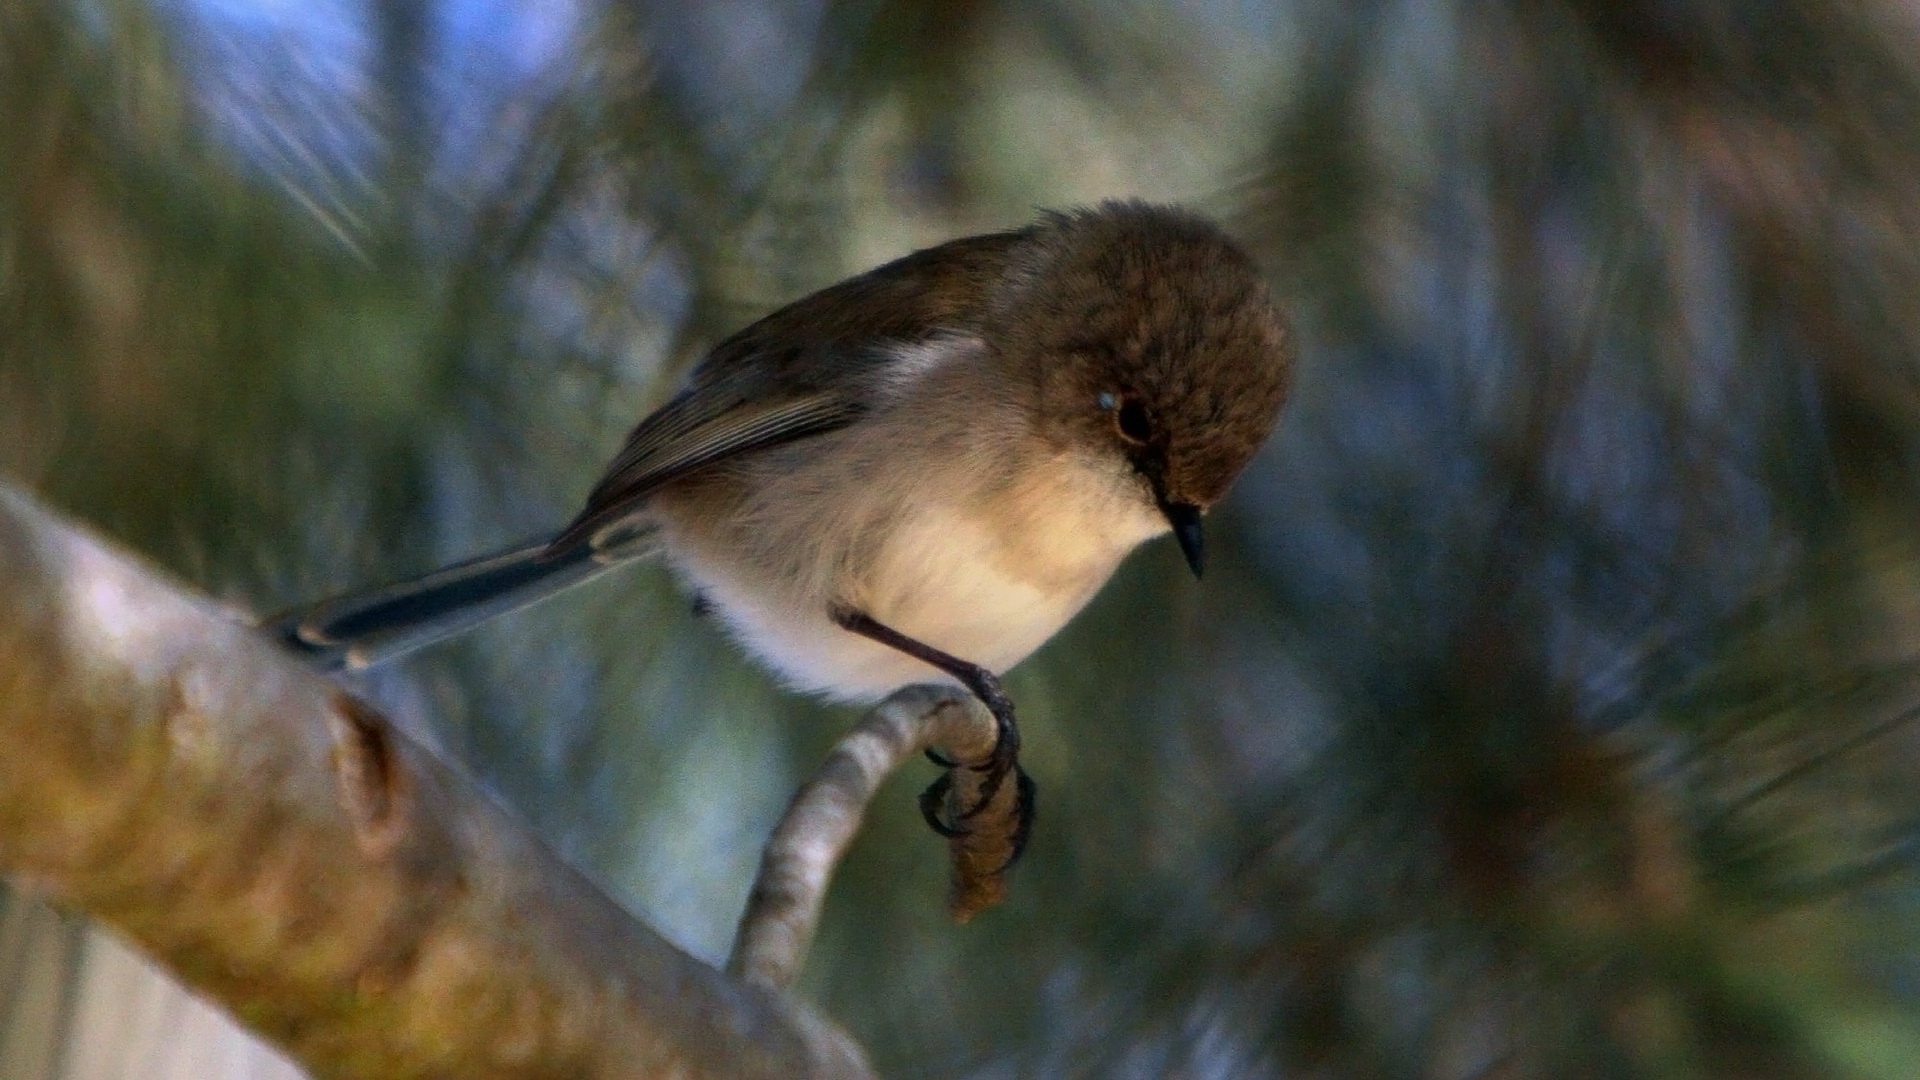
x=783, y=909
x=285, y=851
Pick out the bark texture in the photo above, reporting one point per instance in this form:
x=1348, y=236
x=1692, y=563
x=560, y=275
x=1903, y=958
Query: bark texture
x=284, y=850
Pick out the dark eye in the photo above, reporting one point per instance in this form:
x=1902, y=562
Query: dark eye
x=1132, y=421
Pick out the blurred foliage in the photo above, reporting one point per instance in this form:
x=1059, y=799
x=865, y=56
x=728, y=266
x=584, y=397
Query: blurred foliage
x=1549, y=712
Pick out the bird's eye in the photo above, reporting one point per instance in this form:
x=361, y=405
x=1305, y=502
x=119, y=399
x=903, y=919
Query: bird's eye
x=1132, y=421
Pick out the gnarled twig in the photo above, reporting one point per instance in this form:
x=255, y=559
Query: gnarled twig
x=783, y=909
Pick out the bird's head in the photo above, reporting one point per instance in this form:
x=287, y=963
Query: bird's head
x=1149, y=340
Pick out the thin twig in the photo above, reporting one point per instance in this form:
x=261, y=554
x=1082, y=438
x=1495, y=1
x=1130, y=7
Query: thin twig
x=783, y=910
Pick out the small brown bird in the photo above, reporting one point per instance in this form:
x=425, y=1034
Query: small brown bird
x=920, y=473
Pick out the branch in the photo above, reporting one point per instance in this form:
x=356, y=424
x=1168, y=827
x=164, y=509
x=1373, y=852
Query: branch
x=783, y=909
x=286, y=852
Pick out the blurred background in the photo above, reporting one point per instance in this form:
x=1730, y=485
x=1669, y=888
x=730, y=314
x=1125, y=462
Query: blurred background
x=1547, y=712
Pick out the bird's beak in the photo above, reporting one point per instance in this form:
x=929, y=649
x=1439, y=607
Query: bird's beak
x=1185, y=519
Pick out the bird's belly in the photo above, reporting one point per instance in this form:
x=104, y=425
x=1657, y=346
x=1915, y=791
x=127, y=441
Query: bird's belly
x=944, y=580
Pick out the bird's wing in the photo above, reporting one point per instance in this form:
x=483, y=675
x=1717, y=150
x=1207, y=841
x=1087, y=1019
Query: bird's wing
x=809, y=368
x=703, y=425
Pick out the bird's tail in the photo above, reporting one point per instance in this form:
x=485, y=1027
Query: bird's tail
x=362, y=629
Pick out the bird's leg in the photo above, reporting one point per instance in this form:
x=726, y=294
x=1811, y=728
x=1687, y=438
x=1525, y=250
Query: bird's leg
x=984, y=685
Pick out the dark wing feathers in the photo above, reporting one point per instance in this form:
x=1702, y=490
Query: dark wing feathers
x=641, y=469
x=803, y=370
x=706, y=422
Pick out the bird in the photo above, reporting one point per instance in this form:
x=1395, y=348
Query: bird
x=918, y=474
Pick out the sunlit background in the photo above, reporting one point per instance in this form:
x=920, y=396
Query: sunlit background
x=1546, y=712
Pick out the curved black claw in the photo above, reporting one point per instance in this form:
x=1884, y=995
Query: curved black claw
x=1005, y=759
x=933, y=801
x=1024, y=810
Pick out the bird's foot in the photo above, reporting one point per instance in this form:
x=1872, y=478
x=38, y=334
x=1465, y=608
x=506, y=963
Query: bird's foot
x=937, y=803
x=1018, y=824
x=1003, y=762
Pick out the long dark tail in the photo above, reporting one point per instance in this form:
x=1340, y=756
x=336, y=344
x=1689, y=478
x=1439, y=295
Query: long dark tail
x=367, y=628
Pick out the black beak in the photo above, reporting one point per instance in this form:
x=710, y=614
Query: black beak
x=1185, y=518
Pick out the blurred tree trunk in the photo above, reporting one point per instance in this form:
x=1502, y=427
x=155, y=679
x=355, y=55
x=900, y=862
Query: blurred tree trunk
x=280, y=845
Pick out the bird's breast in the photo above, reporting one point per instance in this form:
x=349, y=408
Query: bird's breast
x=987, y=578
